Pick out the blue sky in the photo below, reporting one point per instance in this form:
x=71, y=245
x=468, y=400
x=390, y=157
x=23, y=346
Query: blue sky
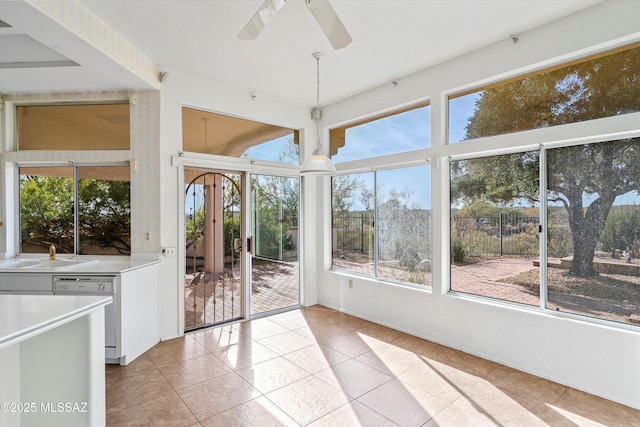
x=460, y=111
x=406, y=131
x=272, y=150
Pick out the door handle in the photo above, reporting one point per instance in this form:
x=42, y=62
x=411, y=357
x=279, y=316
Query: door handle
x=250, y=244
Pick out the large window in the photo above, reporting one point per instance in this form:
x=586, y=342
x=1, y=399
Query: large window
x=596, y=87
x=399, y=132
x=494, y=227
x=592, y=229
x=593, y=205
x=83, y=210
x=381, y=224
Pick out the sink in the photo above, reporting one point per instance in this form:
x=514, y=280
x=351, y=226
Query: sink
x=20, y=263
x=53, y=264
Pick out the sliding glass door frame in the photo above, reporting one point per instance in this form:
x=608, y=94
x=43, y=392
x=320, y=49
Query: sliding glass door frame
x=245, y=167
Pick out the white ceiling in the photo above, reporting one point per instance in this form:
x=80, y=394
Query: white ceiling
x=391, y=39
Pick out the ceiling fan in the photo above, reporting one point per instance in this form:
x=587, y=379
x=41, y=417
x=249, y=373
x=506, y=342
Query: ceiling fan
x=321, y=10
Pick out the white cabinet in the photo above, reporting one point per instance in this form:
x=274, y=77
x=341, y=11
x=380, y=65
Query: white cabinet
x=51, y=360
x=137, y=312
x=25, y=284
x=131, y=323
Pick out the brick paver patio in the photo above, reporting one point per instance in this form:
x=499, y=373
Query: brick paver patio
x=275, y=285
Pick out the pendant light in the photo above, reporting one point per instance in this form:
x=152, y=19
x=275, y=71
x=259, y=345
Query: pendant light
x=318, y=163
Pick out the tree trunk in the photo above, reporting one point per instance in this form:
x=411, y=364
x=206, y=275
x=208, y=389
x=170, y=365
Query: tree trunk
x=583, y=253
x=586, y=228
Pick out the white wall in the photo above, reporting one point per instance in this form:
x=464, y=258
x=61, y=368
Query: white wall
x=589, y=356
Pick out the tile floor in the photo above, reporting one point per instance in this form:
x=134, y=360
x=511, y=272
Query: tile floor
x=318, y=367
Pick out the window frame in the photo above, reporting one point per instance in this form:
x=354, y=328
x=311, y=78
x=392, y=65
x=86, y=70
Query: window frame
x=542, y=148
x=375, y=258
x=519, y=75
x=75, y=165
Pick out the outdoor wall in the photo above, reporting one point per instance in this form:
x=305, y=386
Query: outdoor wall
x=590, y=356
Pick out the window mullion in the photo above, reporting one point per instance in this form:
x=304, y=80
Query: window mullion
x=76, y=210
x=544, y=229
x=375, y=224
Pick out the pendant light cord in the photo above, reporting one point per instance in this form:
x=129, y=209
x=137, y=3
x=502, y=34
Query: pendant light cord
x=318, y=149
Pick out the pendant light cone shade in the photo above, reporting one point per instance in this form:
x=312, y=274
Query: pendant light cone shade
x=318, y=163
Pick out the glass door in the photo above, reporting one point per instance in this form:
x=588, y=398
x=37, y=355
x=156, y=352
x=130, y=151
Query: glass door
x=213, y=283
x=274, y=244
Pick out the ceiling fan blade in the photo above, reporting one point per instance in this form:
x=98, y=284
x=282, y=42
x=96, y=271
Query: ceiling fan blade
x=329, y=22
x=261, y=18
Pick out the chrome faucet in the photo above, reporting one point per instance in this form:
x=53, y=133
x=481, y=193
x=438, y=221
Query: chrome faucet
x=52, y=252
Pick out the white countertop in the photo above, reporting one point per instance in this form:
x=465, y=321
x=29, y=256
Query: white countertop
x=24, y=316
x=76, y=265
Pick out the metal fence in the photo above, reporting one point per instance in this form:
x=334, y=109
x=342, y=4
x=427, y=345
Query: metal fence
x=507, y=234
x=499, y=235
x=352, y=232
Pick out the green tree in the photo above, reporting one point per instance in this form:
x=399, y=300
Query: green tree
x=601, y=87
x=104, y=215
x=46, y=212
x=343, y=190
x=603, y=171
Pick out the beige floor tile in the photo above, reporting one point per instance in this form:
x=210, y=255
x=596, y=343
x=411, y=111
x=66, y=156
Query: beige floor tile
x=245, y=354
x=352, y=356
x=468, y=412
x=380, y=332
x=167, y=410
x=175, y=350
x=390, y=359
x=353, y=344
x=519, y=383
x=286, y=342
x=141, y=365
x=353, y=378
x=430, y=379
x=575, y=405
x=217, y=395
x=316, y=358
x=291, y=319
x=403, y=404
x=308, y=399
x=133, y=390
x=259, y=412
x=272, y=374
x=261, y=328
x=353, y=414
x=463, y=378
x=354, y=322
x=419, y=346
x=186, y=373
x=220, y=338
x=464, y=362
x=319, y=313
x=323, y=332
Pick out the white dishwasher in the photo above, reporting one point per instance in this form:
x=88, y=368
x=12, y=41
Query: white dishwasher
x=94, y=285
